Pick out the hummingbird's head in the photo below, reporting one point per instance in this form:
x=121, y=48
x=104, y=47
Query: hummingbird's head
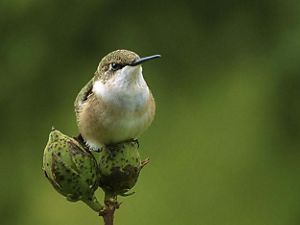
x=121, y=65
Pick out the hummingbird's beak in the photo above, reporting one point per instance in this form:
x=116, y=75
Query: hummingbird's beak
x=144, y=59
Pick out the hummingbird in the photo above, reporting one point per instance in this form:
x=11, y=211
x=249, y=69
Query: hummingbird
x=116, y=105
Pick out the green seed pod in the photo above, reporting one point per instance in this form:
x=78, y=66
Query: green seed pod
x=119, y=166
x=72, y=170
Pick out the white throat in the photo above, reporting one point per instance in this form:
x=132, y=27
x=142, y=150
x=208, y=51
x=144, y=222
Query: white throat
x=127, y=89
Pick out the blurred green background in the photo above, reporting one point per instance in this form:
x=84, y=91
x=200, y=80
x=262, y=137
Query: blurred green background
x=224, y=146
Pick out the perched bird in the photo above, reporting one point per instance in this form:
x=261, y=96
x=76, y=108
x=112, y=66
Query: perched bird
x=116, y=104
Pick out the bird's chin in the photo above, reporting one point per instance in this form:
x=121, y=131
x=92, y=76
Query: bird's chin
x=131, y=72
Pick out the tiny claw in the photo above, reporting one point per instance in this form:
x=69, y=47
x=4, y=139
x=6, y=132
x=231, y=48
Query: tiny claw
x=127, y=194
x=96, y=150
x=136, y=141
x=144, y=162
x=100, y=149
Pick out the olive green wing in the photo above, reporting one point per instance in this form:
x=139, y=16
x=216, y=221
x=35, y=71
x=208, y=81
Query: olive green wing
x=83, y=95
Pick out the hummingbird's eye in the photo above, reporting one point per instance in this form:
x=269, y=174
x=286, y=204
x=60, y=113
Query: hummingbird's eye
x=115, y=66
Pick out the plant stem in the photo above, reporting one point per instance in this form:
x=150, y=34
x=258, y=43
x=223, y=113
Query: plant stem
x=111, y=205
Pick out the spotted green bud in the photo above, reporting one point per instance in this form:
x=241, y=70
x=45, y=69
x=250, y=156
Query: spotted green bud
x=71, y=169
x=119, y=166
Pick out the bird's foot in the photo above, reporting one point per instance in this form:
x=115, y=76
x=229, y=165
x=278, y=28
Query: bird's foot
x=92, y=147
x=135, y=141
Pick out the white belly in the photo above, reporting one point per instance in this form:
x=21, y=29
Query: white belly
x=127, y=126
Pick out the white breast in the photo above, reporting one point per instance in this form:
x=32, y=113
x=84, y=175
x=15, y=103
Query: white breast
x=128, y=93
x=127, y=89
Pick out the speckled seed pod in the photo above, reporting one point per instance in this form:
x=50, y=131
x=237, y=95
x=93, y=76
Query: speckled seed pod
x=119, y=166
x=71, y=169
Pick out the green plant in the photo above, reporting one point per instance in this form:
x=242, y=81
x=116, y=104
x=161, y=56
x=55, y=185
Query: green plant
x=76, y=174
